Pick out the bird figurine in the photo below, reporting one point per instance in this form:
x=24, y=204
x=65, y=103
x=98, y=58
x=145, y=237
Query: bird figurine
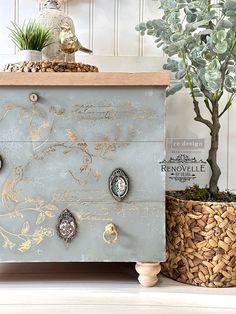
x=69, y=42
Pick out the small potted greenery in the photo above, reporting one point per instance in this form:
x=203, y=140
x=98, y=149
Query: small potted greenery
x=199, y=37
x=30, y=38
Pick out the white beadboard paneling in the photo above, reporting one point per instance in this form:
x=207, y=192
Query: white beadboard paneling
x=65, y=6
x=180, y=124
x=28, y=9
x=151, y=12
x=232, y=148
x=128, y=36
x=123, y=64
x=79, y=11
x=104, y=27
x=91, y=22
x=8, y=58
x=223, y=152
x=7, y=14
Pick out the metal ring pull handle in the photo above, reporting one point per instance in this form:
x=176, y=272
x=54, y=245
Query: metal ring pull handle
x=110, y=235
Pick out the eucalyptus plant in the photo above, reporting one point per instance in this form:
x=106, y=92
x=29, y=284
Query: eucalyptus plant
x=199, y=38
x=30, y=36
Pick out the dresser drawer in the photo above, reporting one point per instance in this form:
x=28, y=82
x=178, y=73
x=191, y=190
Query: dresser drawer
x=93, y=114
x=79, y=170
x=29, y=232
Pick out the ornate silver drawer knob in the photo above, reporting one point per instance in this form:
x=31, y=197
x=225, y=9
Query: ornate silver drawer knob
x=119, y=184
x=110, y=235
x=67, y=226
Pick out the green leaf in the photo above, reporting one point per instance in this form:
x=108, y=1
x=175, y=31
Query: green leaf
x=158, y=23
x=232, y=20
x=160, y=44
x=228, y=81
x=204, y=35
x=176, y=37
x=141, y=27
x=224, y=24
x=181, y=6
x=221, y=47
x=171, y=90
x=157, y=40
x=230, y=5
x=193, y=26
x=230, y=13
x=214, y=65
x=221, y=35
x=171, y=65
x=150, y=32
x=191, y=18
x=30, y=36
x=198, y=94
x=212, y=77
x=149, y=25
x=171, y=50
x=180, y=74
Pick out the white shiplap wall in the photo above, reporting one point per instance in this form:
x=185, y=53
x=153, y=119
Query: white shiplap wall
x=107, y=27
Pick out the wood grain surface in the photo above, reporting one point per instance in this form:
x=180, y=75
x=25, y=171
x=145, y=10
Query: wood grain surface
x=85, y=79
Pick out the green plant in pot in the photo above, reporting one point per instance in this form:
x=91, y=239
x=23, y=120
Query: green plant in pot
x=199, y=38
x=30, y=38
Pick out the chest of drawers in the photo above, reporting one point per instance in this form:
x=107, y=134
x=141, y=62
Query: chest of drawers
x=80, y=177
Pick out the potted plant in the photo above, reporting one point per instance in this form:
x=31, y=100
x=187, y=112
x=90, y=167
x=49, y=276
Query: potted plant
x=30, y=38
x=201, y=223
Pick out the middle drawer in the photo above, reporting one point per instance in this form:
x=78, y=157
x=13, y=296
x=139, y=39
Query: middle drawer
x=80, y=169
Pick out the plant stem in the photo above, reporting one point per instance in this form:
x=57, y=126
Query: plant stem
x=209, y=5
x=212, y=156
x=214, y=127
x=195, y=102
x=206, y=101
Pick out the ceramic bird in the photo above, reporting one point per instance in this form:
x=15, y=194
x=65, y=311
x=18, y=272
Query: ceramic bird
x=69, y=42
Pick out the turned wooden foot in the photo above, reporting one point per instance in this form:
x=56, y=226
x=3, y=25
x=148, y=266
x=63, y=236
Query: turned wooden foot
x=148, y=273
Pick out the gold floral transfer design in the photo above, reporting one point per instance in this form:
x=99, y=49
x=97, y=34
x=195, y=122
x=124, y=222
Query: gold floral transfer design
x=25, y=240
x=41, y=129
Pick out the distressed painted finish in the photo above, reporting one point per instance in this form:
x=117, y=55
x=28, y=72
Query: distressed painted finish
x=127, y=114
x=59, y=153
x=83, y=169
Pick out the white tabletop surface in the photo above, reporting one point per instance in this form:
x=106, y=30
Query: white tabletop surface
x=103, y=288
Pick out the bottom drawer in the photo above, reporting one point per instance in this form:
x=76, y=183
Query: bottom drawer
x=30, y=234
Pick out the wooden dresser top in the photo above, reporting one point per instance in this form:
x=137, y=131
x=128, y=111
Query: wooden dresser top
x=85, y=79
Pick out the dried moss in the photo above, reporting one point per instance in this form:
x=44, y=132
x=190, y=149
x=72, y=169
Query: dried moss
x=196, y=193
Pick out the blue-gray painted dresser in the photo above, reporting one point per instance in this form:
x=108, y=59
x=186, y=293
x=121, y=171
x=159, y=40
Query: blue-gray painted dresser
x=80, y=177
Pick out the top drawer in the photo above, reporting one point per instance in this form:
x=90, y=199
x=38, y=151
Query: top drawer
x=93, y=113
